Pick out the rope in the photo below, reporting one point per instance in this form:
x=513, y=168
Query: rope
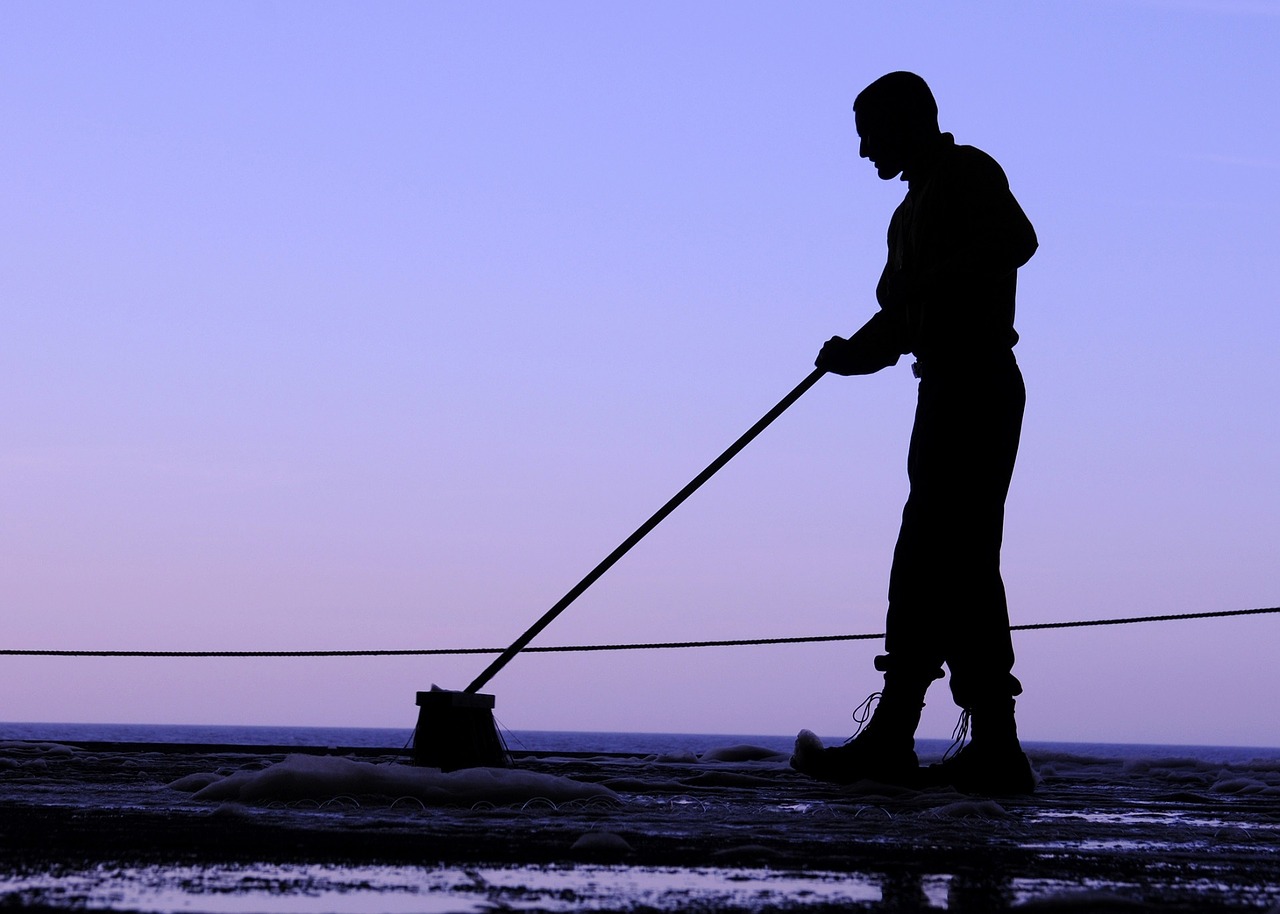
x=644, y=646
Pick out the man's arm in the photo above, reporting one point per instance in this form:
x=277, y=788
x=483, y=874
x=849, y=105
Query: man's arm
x=878, y=344
x=881, y=340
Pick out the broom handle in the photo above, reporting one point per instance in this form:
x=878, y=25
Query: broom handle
x=520, y=643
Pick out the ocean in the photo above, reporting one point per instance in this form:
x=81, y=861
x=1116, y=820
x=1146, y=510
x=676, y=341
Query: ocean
x=550, y=741
x=287, y=819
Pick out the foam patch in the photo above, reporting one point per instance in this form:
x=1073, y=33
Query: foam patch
x=309, y=777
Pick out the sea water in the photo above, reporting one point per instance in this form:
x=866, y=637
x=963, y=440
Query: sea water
x=551, y=741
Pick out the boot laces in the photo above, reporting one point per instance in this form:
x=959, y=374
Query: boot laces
x=960, y=735
x=862, y=714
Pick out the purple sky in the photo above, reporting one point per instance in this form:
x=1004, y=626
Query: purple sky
x=378, y=325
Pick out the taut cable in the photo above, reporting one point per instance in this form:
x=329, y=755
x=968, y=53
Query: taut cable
x=638, y=646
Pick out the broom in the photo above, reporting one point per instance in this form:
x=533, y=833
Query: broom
x=457, y=729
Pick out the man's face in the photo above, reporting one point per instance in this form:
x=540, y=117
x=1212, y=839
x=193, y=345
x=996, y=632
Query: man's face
x=884, y=146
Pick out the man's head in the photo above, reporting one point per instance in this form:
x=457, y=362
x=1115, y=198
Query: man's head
x=897, y=121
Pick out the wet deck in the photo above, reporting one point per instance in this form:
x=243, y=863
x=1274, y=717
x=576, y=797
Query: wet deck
x=724, y=833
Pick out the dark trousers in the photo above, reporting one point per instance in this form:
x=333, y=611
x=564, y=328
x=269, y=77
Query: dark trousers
x=946, y=598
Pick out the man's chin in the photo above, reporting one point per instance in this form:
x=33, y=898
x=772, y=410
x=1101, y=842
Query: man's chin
x=887, y=172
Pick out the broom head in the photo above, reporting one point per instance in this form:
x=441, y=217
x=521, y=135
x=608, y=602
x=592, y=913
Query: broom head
x=457, y=730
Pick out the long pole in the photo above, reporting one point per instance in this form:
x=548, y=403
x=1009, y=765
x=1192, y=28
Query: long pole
x=520, y=643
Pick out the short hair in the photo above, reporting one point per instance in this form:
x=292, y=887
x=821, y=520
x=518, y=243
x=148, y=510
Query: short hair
x=899, y=96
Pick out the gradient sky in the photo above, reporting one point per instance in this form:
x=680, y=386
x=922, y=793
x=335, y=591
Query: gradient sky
x=377, y=325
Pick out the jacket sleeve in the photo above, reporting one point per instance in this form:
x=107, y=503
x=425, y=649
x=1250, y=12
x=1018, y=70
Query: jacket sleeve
x=880, y=342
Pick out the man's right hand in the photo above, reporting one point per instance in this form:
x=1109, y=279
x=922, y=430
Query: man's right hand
x=837, y=356
x=866, y=352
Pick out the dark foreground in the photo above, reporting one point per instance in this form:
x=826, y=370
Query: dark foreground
x=104, y=826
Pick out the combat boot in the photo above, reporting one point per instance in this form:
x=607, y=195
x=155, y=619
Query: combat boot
x=883, y=749
x=992, y=763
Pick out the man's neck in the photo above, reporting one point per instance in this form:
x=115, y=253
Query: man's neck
x=926, y=161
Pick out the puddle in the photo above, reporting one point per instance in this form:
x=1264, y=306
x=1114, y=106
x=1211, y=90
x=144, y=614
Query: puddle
x=294, y=889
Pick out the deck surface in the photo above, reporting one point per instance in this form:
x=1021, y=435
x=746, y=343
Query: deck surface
x=1100, y=834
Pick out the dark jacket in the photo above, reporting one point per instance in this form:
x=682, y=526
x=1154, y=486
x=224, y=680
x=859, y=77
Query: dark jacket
x=955, y=244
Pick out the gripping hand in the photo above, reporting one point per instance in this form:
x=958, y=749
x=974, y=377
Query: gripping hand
x=838, y=356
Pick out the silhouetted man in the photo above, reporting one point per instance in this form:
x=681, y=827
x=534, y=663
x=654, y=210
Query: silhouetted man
x=947, y=296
